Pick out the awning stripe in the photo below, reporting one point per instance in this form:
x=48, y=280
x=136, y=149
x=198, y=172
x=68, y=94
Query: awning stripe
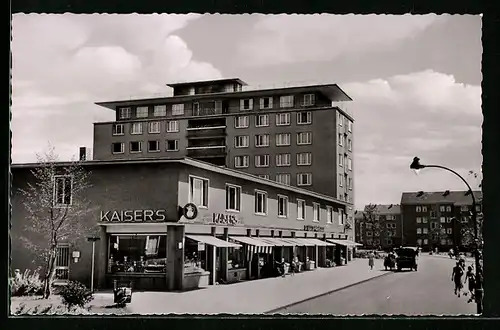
x=315, y=241
x=210, y=240
x=249, y=241
x=343, y=242
x=274, y=241
x=304, y=242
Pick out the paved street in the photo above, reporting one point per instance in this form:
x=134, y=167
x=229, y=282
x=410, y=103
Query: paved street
x=427, y=291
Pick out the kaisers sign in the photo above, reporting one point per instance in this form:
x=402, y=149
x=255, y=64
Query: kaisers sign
x=134, y=216
x=314, y=228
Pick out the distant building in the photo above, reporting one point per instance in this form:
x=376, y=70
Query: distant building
x=387, y=234
x=435, y=219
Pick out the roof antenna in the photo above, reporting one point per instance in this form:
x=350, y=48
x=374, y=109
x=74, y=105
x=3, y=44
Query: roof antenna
x=390, y=207
x=420, y=193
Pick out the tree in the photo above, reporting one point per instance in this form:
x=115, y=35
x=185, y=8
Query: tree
x=467, y=230
x=436, y=234
x=56, y=205
x=371, y=218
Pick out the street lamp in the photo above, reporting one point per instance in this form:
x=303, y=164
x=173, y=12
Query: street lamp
x=92, y=239
x=415, y=165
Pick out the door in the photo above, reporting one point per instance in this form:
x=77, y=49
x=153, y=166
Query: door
x=62, y=262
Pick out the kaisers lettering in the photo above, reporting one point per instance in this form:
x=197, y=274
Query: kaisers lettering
x=314, y=228
x=133, y=216
x=224, y=219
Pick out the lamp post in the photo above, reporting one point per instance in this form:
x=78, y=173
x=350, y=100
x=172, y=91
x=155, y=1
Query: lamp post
x=92, y=239
x=415, y=165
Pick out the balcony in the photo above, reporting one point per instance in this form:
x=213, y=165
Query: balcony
x=206, y=152
x=206, y=132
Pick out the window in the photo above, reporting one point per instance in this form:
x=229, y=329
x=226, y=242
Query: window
x=282, y=206
x=340, y=119
x=341, y=139
x=118, y=129
x=62, y=262
x=262, y=140
x=177, y=109
x=341, y=180
x=141, y=112
x=329, y=214
x=241, y=122
x=160, y=111
x=304, y=179
x=448, y=208
x=301, y=209
x=349, y=184
x=426, y=241
x=349, y=144
x=349, y=123
x=124, y=113
x=137, y=253
x=424, y=208
x=154, y=127
x=260, y=202
x=261, y=120
x=233, y=198
x=465, y=219
x=172, y=145
x=246, y=104
x=241, y=161
x=283, y=159
x=419, y=241
x=418, y=209
x=136, y=128
x=266, y=102
x=283, y=178
x=135, y=146
x=304, y=138
x=448, y=220
x=433, y=225
x=349, y=164
x=478, y=208
x=283, y=139
x=464, y=208
x=442, y=208
x=433, y=214
x=118, y=148
x=198, y=191
x=286, y=101
x=341, y=160
x=368, y=226
x=424, y=219
x=450, y=242
x=241, y=141
x=316, y=212
x=389, y=241
x=425, y=230
x=419, y=230
x=308, y=100
x=262, y=161
x=172, y=126
x=282, y=119
x=390, y=217
x=304, y=158
x=442, y=219
x=63, y=188
x=443, y=230
x=304, y=118
x=153, y=146
x=264, y=176
x=449, y=231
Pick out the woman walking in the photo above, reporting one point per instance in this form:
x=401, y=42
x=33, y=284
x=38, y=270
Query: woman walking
x=371, y=257
x=456, y=277
x=470, y=276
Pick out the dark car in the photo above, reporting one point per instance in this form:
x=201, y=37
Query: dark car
x=407, y=258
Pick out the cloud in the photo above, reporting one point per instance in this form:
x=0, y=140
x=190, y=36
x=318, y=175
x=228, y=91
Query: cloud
x=62, y=64
x=425, y=114
x=280, y=39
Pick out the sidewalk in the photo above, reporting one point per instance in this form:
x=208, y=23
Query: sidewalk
x=258, y=296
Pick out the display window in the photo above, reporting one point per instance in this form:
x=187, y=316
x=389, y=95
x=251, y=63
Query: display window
x=137, y=254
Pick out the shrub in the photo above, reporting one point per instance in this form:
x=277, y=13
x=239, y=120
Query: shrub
x=75, y=294
x=47, y=310
x=26, y=284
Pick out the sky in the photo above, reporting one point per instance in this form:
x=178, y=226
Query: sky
x=415, y=80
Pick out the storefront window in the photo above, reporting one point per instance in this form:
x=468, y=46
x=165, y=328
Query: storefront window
x=137, y=254
x=194, y=256
x=235, y=258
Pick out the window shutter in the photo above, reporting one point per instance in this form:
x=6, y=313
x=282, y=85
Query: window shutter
x=262, y=103
x=251, y=104
x=242, y=104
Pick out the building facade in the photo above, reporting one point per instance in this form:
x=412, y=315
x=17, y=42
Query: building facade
x=170, y=224
x=298, y=136
x=379, y=227
x=436, y=219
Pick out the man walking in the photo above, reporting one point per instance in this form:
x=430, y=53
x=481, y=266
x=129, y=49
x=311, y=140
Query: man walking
x=456, y=277
x=371, y=261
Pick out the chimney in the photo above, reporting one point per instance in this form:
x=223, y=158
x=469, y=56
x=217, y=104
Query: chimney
x=83, y=154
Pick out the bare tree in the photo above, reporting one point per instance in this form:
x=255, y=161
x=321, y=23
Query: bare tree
x=467, y=229
x=371, y=218
x=56, y=205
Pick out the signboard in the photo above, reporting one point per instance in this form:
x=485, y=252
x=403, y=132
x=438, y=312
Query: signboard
x=134, y=216
x=314, y=228
x=224, y=219
x=190, y=211
x=201, y=246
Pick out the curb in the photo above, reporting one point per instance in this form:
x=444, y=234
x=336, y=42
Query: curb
x=274, y=310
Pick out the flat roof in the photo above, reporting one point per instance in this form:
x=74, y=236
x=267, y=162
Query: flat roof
x=206, y=82
x=198, y=164
x=332, y=91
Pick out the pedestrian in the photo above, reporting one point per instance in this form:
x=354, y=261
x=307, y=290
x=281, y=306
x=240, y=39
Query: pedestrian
x=294, y=264
x=469, y=276
x=371, y=257
x=456, y=277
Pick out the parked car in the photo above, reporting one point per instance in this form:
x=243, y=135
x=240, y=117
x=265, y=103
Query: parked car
x=407, y=258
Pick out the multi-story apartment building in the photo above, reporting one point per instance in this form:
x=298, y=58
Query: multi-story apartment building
x=383, y=228
x=297, y=136
x=435, y=219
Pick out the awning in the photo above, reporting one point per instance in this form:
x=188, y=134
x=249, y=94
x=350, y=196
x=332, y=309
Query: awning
x=210, y=240
x=250, y=241
x=274, y=241
x=301, y=241
x=318, y=242
x=343, y=242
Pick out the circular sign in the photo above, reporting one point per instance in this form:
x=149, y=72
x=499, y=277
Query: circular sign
x=190, y=211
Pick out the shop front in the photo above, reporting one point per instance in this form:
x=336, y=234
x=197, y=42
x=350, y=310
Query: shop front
x=344, y=250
